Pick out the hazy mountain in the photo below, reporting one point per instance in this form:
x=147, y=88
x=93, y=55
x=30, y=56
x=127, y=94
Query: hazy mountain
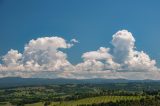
x=17, y=81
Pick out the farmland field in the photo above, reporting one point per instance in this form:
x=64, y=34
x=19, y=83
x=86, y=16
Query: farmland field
x=81, y=95
x=91, y=100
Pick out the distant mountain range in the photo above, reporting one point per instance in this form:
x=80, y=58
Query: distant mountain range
x=17, y=81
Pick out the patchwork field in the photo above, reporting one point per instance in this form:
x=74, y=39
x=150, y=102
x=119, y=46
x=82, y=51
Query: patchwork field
x=91, y=100
x=81, y=95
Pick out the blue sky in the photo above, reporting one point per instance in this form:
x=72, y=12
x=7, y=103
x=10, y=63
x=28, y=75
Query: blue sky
x=91, y=22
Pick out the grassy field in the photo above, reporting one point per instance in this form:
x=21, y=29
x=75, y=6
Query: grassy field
x=90, y=100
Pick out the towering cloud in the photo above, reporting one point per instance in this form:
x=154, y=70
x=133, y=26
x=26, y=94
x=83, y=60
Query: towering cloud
x=44, y=57
x=43, y=54
x=126, y=55
x=123, y=43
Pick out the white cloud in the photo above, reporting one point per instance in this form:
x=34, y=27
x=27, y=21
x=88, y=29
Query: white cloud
x=42, y=54
x=74, y=41
x=101, y=54
x=12, y=61
x=12, y=58
x=140, y=61
x=97, y=60
x=43, y=50
x=123, y=43
x=126, y=55
x=44, y=57
x=90, y=65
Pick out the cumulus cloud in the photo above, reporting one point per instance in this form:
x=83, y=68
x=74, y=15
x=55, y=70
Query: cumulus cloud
x=97, y=60
x=12, y=58
x=124, y=61
x=101, y=54
x=126, y=55
x=140, y=61
x=123, y=43
x=90, y=65
x=12, y=61
x=44, y=58
x=42, y=54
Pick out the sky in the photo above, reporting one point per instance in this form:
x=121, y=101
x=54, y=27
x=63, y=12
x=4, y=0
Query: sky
x=80, y=38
